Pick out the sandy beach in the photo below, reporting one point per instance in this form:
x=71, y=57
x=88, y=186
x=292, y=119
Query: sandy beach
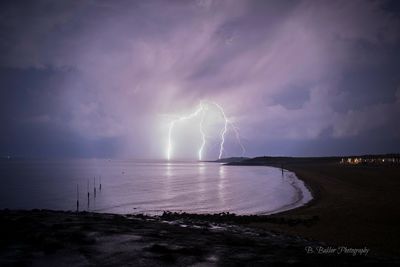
x=356, y=205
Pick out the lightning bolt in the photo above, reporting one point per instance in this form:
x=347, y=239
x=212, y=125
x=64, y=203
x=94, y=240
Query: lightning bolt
x=224, y=130
x=203, y=135
x=203, y=110
x=172, y=124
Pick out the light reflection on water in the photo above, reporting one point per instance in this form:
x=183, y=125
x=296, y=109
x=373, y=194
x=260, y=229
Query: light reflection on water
x=150, y=187
x=221, y=184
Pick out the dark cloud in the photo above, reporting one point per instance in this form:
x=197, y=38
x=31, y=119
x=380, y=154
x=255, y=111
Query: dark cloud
x=292, y=98
x=100, y=78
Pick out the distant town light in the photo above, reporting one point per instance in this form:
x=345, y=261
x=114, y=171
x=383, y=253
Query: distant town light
x=370, y=160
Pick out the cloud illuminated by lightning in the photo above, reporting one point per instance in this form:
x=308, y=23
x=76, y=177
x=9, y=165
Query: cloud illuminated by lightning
x=202, y=109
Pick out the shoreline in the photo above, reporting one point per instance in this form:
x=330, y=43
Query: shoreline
x=212, y=196
x=300, y=202
x=356, y=205
x=352, y=206
x=312, y=188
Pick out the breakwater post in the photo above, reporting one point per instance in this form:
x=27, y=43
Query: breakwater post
x=88, y=194
x=77, y=197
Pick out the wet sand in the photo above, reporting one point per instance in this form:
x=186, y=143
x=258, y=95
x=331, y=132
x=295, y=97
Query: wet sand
x=56, y=238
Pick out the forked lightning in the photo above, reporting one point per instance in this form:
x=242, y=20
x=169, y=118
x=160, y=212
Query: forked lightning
x=202, y=110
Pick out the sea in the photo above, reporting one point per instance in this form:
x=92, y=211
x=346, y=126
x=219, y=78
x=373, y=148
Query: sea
x=149, y=187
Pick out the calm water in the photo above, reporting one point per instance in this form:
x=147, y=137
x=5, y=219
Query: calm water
x=150, y=187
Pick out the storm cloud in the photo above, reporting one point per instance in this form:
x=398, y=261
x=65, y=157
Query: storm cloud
x=102, y=78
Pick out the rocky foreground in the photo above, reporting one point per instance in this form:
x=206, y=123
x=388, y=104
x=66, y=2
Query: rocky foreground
x=55, y=238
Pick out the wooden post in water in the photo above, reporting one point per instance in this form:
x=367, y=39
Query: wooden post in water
x=94, y=185
x=100, y=183
x=88, y=194
x=77, y=197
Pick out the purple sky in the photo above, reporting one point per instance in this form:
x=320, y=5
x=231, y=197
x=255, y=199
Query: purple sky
x=105, y=78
